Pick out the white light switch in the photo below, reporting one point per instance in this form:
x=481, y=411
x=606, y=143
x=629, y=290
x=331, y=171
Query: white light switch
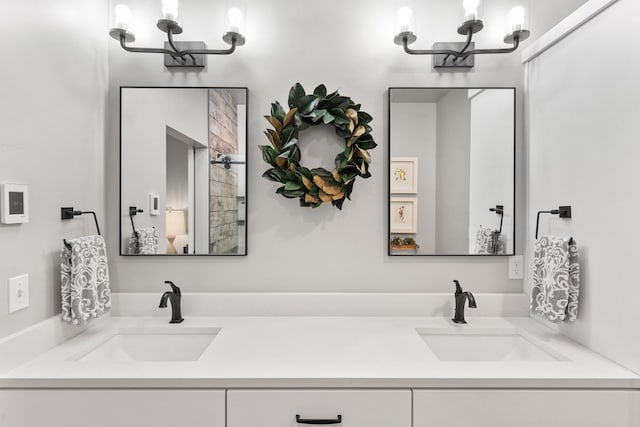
x=18, y=293
x=516, y=267
x=154, y=204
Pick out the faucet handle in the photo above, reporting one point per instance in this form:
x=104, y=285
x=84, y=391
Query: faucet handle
x=174, y=288
x=458, y=287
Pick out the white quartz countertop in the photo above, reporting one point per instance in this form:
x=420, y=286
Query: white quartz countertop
x=333, y=352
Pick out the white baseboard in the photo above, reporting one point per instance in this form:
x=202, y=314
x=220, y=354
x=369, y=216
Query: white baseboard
x=319, y=304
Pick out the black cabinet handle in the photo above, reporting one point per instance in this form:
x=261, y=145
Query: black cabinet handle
x=299, y=420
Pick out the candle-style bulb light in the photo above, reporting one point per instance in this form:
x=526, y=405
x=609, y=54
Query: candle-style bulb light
x=235, y=17
x=404, y=16
x=123, y=17
x=470, y=10
x=516, y=18
x=170, y=9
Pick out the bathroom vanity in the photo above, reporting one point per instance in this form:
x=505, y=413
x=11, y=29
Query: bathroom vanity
x=288, y=371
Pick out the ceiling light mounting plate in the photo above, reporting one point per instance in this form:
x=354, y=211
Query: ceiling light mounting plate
x=450, y=62
x=194, y=60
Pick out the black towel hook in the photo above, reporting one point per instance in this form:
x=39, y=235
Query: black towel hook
x=499, y=210
x=70, y=213
x=562, y=212
x=133, y=210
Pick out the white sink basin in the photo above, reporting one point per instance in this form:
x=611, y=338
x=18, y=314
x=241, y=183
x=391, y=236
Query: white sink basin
x=485, y=345
x=161, y=345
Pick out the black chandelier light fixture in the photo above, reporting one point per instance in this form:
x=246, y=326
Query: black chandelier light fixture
x=185, y=54
x=460, y=55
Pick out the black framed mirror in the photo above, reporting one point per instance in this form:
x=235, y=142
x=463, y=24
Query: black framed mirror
x=451, y=171
x=183, y=171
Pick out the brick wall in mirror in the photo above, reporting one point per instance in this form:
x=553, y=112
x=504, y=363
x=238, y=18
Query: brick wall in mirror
x=183, y=174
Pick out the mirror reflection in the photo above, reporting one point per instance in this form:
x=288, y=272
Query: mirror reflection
x=452, y=171
x=183, y=171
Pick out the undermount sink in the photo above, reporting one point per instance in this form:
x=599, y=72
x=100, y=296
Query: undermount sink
x=484, y=345
x=160, y=345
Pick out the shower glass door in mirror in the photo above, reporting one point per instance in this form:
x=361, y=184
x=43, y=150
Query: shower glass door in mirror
x=183, y=174
x=452, y=171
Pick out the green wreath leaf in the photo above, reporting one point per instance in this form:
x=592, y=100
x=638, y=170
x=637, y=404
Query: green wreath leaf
x=295, y=94
x=321, y=91
x=317, y=186
x=277, y=111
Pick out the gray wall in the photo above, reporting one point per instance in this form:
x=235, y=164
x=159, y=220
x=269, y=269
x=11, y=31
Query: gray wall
x=290, y=248
x=584, y=152
x=177, y=167
x=491, y=164
x=144, y=158
x=413, y=132
x=52, y=116
x=177, y=187
x=452, y=199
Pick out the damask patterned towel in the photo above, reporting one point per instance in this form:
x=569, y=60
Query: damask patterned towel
x=489, y=241
x=143, y=241
x=85, y=279
x=556, y=279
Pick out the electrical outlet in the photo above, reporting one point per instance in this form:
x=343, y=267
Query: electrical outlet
x=516, y=267
x=18, y=293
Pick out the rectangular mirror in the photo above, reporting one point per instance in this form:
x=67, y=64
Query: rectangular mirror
x=451, y=171
x=183, y=174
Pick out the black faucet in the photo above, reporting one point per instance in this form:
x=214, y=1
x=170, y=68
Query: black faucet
x=461, y=298
x=174, y=296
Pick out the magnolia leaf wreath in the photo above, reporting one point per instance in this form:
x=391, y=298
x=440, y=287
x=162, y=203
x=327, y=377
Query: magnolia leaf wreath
x=317, y=186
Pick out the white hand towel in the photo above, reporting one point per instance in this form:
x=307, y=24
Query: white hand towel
x=85, y=279
x=143, y=241
x=556, y=279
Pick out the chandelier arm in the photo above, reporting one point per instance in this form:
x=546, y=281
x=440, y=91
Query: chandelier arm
x=468, y=43
x=516, y=44
x=461, y=58
x=181, y=54
x=410, y=51
x=212, y=51
x=123, y=44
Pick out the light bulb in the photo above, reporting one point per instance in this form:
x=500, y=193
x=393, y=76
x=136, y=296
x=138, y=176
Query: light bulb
x=236, y=17
x=123, y=16
x=170, y=9
x=404, y=17
x=470, y=9
x=516, y=18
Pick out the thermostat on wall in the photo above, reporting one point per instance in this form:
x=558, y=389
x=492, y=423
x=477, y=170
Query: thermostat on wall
x=154, y=204
x=14, y=203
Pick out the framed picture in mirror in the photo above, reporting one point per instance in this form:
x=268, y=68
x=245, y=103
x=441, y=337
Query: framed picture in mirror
x=404, y=175
x=404, y=215
x=465, y=139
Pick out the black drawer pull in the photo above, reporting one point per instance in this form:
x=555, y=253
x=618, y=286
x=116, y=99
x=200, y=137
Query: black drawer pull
x=299, y=420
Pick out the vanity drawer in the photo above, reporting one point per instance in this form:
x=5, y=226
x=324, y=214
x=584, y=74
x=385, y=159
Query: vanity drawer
x=357, y=408
x=526, y=408
x=112, y=408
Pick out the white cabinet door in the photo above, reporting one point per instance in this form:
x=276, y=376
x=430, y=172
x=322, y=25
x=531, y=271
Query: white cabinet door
x=355, y=408
x=525, y=408
x=112, y=408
